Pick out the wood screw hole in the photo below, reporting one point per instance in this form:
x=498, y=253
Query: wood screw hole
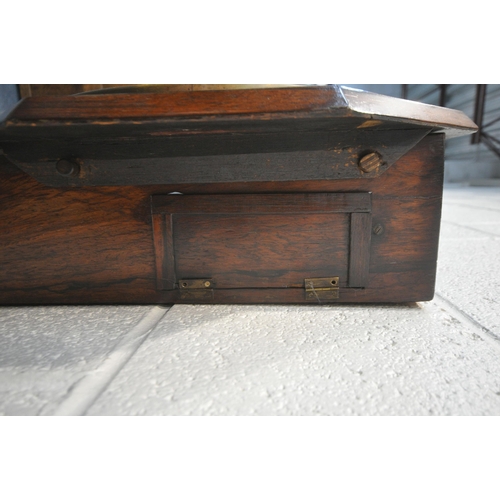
x=67, y=168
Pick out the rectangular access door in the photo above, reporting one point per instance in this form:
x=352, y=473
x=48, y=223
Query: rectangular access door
x=261, y=248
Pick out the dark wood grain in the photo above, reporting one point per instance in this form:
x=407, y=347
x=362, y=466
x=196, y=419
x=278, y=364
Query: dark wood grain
x=224, y=136
x=329, y=164
x=261, y=251
x=164, y=257
x=154, y=106
x=95, y=245
x=384, y=288
x=359, y=257
x=263, y=203
x=327, y=100
x=256, y=241
x=326, y=143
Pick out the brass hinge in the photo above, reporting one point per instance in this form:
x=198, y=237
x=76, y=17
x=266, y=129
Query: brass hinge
x=196, y=289
x=320, y=289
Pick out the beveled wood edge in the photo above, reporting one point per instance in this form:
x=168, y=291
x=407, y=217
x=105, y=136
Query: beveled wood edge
x=185, y=87
x=273, y=102
x=451, y=122
x=109, y=109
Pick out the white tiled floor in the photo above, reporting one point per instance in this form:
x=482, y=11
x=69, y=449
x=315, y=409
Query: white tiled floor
x=435, y=358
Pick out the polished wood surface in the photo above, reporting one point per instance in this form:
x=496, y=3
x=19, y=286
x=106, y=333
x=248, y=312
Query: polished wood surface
x=108, y=107
x=302, y=133
x=260, y=241
x=279, y=186
x=95, y=245
x=330, y=100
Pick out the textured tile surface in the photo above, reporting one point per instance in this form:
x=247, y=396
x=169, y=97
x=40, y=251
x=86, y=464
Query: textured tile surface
x=330, y=360
x=469, y=254
x=483, y=221
x=45, y=350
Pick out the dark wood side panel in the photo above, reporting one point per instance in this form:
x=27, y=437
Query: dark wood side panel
x=95, y=245
x=410, y=234
x=74, y=246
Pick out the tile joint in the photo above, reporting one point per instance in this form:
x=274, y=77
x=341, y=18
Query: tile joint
x=465, y=319
x=85, y=392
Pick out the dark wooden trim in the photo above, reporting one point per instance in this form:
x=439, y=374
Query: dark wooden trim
x=397, y=287
x=359, y=256
x=325, y=156
x=170, y=277
x=159, y=232
x=263, y=203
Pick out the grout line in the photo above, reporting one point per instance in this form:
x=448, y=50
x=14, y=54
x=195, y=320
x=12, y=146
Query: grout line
x=470, y=228
x=85, y=392
x=470, y=206
x=457, y=313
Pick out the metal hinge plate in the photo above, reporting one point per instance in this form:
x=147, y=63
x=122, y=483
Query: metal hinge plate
x=197, y=289
x=319, y=289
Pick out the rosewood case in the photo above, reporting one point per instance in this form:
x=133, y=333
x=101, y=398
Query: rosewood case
x=303, y=194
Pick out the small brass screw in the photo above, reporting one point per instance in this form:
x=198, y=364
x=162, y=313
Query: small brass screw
x=207, y=284
x=378, y=229
x=370, y=162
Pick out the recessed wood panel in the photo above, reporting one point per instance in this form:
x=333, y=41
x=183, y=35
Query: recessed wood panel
x=261, y=241
x=265, y=250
